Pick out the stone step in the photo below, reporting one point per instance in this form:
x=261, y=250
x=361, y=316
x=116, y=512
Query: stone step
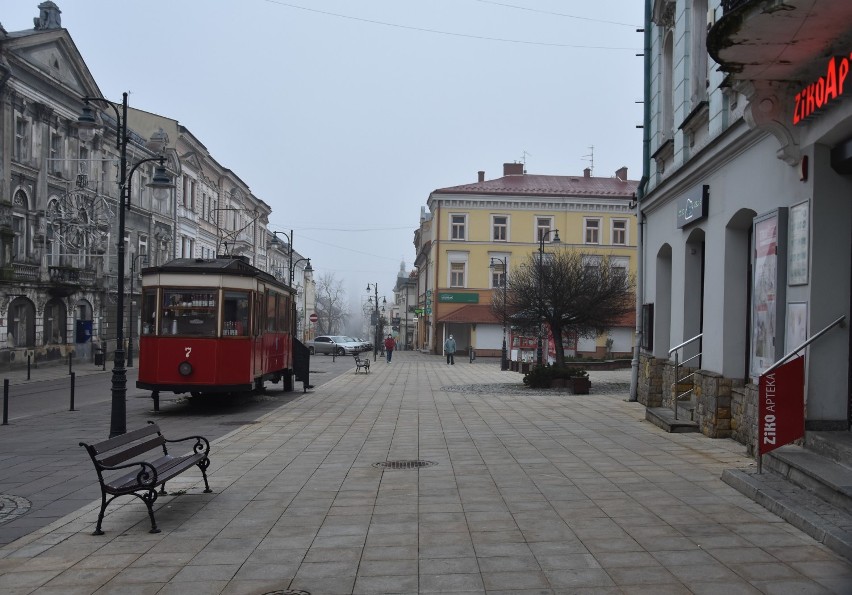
x=812, y=471
x=663, y=417
x=798, y=506
x=836, y=446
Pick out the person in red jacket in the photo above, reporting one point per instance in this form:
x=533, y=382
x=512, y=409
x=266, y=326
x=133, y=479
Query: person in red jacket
x=390, y=345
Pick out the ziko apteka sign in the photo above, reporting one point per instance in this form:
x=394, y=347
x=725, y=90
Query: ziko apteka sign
x=781, y=406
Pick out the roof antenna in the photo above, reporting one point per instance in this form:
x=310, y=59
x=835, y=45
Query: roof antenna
x=524, y=156
x=591, y=159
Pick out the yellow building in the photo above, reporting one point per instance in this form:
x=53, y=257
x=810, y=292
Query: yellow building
x=469, y=227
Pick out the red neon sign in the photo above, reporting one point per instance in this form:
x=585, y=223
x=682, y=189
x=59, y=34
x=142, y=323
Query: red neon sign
x=826, y=88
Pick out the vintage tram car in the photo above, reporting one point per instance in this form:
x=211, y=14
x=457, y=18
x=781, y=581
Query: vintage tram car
x=214, y=326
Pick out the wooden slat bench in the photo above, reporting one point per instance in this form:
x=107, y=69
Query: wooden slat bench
x=138, y=451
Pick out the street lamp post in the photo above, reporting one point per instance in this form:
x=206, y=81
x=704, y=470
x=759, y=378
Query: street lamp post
x=130, y=321
x=161, y=184
x=542, y=236
x=376, y=337
x=290, y=251
x=504, y=362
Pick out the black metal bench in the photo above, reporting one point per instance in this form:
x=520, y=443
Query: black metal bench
x=150, y=470
x=362, y=363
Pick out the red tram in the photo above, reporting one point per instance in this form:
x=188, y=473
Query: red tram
x=214, y=326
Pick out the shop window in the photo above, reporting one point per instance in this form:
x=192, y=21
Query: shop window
x=55, y=322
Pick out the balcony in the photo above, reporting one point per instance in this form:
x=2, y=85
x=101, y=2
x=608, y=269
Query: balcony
x=71, y=275
x=776, y=41
x=25, y=272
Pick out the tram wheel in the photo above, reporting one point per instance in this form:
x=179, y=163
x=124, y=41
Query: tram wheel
x=288, y=381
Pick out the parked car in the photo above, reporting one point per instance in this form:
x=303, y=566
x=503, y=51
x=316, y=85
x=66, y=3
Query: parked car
x=334, y=344
x=362, y=344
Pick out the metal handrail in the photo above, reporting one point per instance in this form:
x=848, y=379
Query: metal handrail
x=685, y=343
x=806, y=343
x=677, y=367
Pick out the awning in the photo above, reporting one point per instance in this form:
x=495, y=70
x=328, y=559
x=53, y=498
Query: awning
x=474, y=313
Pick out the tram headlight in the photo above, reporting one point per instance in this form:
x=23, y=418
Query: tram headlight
x=185, y=368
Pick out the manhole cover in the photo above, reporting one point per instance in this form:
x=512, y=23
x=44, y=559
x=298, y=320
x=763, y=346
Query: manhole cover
x=11, y=507
x=288, y=592
x=238, y=423
x=403, y=464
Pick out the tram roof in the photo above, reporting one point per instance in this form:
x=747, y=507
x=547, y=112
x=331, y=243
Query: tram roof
x=217, y=266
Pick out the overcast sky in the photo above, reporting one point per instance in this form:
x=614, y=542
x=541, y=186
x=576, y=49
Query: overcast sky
x=343, y=115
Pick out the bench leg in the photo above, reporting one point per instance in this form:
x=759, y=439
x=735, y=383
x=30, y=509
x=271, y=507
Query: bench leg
x=101, y=515
x=203, y=466
x=149, y=498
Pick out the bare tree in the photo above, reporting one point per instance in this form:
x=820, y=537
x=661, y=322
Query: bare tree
x=573, y=293
x=331, y=304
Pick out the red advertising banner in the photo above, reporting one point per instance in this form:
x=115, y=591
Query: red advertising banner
x=781, y=406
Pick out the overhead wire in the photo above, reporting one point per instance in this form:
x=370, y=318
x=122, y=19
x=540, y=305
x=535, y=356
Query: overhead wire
x=449, y=33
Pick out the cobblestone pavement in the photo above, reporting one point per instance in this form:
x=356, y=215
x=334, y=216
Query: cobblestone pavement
x=531, y=492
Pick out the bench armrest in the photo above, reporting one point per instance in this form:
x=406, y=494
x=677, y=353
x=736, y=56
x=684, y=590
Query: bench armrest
x=201, y=443
x=147, y=475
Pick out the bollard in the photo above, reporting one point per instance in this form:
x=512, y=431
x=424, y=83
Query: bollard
x=69, y=362
x=72, y=391
x=103, y=359
x=29, y=360
x=5, y=401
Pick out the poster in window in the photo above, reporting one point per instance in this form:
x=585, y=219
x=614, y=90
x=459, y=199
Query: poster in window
x=765, y=293
x=797, y=254
x=797, y=324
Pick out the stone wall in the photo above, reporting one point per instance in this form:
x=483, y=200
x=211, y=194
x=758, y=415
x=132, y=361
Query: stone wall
x=714, y=403
x=744, y=415
x=650, y=385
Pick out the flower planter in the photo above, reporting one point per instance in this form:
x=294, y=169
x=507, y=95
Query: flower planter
x=525, y=367
x=580, y=385
x=559, y=383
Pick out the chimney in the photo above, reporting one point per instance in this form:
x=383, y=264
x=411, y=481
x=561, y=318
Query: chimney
x=481, y=176
x=587, y=173
x=513, y=169
x=621, y=174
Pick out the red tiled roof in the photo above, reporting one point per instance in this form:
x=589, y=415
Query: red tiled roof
x=472, y=313
x=537, y=185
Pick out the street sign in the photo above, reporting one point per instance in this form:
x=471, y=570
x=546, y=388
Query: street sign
x=428, y=310
x=313, y=317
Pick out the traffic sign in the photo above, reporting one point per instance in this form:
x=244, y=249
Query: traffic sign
x=313, y=317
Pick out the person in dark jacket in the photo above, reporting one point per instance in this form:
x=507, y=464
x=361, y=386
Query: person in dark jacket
x=450, y=350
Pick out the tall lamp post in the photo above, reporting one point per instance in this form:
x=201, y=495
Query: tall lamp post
x=495, y=262
x=308, y=269
x=161, y=184
x=542, y=236
x=290, y=250
x=130, y=321
x=376, y=337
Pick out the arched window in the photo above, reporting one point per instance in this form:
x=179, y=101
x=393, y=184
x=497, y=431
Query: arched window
x=20, y=331
x=20, y=226
x=55, y=322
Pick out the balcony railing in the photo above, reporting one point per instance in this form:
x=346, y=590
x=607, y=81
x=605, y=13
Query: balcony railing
x=71, y=275
x=27, y=272
x=730, y=5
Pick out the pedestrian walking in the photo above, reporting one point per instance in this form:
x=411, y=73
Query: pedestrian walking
x=390, y=345
x=450, y=350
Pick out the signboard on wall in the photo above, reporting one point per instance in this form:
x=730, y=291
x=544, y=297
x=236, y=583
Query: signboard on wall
x=458, y=298
x=692, y=206
x=781, y=406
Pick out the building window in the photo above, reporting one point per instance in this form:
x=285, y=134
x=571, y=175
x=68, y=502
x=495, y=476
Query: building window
x=592, y=232
x=458, y=227
x=500, y=228
x=457, y=274
x=619, y=265
x=498, y=275
x=543, y=227
x=22, y=139
x=619, y=232
x=56, y=154
x=55, y=322
x=21, y=324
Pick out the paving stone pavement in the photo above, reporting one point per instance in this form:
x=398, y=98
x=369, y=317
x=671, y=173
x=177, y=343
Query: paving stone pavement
x=532, y=492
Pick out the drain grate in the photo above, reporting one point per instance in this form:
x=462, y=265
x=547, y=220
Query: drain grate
x=403, y=464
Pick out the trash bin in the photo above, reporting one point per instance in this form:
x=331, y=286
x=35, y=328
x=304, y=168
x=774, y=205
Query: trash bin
x=99, y=358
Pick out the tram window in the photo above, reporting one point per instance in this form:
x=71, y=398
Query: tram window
x=188, y=313
x=283, y=311
x=235, y=312
x=149, y=312
x=270, y=311
x=258, y=313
